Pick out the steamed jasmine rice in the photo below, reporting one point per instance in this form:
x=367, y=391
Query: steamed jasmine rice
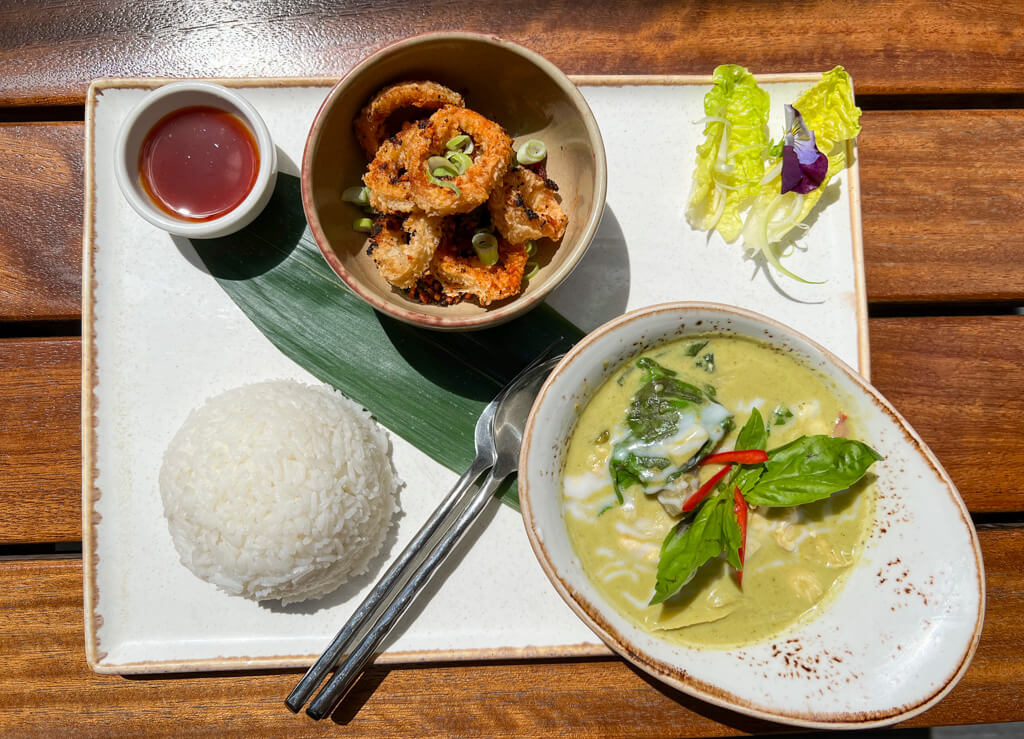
x=278, y=490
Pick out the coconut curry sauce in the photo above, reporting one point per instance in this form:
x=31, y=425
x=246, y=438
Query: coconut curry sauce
x=795, y=556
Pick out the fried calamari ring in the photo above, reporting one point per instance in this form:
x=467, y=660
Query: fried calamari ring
x=371, y=125
x=525, y=207
x=386, y=176
x=491, y=155
x=461, y=274
x=402, y=250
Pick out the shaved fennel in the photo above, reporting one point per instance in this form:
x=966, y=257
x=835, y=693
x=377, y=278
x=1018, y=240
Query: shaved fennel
x=828, y=110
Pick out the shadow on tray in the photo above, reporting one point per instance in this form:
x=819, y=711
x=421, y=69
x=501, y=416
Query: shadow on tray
x=427, y=387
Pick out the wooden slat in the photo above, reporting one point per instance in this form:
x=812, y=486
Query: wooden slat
x=40, y=488
x=957, y=380
x=932, y=231
x=49, y=51
x=46, y=683
x=40, y=221
x=941, y=209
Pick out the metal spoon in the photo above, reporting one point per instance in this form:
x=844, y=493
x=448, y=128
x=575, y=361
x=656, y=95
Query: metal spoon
x=500, y=437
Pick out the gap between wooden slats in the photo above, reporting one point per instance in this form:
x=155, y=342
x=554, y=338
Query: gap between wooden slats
x=956, y=379
x=933, y=232
x=46, y=682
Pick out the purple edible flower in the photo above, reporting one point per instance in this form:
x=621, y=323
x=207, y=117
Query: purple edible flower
x=803, y=166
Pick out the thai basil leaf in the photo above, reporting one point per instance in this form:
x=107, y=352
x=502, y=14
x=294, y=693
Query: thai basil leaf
x=633, y=471
x=781, y=415
x=622, y=478
x=753, y=435
x=688, y=547
x=654, y=412
x=811, y=468
x=693, y=349
x=653, y=369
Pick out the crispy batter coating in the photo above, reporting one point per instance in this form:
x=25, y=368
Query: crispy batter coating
x=460, y=273
x=371, y=124
x=402, y=249
x=386, y=175
x=524, y=207
x=421, y=238
x=491, y=156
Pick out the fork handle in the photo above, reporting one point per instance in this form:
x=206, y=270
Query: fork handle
x=385, y=589
x=352, y=667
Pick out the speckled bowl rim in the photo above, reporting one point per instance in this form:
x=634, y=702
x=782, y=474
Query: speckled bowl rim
x=517, y=306
x=677, y=676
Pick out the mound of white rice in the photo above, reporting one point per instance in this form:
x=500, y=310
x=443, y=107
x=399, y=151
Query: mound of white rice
x=278, y=490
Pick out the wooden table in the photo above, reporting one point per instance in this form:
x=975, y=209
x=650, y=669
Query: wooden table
x=942, y=170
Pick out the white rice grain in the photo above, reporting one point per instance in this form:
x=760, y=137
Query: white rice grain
x=278, y=490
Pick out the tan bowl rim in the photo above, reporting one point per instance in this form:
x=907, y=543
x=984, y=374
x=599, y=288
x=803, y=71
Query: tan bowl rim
x=516, y=306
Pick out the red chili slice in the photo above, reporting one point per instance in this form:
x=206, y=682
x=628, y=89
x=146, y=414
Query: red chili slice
x=694, y=500
x=740, y=509
x=742, y=456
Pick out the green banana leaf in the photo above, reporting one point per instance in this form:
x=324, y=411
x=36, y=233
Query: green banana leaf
x=427, y=387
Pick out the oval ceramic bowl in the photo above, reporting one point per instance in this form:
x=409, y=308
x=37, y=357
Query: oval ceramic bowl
x=891, y=643
x=165, y=100
x=527, y=95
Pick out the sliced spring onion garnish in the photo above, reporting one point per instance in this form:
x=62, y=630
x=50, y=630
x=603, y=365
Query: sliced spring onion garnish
x=357, y=195
x=460, y=161
x=435, y=162
x=531, y=152
x=444, y=172
x=483, y=239
x=462, y=143
x=530, y=248
x=532, y=268
x=362, y=225
x=450, y=185
x=486, y=247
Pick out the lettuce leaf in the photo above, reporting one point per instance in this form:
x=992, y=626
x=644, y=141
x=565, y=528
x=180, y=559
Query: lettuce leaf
x=730, y=161
x=828, y=109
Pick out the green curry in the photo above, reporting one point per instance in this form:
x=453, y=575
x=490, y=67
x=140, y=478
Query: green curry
x=635, y=462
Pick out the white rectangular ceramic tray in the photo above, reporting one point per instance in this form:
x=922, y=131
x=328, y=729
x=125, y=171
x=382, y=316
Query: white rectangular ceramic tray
x=160, y=336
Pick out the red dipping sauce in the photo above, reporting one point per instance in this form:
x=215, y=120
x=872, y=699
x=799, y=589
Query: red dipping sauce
x=199, y=163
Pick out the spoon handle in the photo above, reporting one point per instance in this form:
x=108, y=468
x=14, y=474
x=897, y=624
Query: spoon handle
x=384, y=591
x=352, y=667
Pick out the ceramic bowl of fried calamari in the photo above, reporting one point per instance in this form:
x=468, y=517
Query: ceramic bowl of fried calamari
x=452, y=180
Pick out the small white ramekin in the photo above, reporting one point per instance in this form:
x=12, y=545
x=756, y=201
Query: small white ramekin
x=165, y=100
